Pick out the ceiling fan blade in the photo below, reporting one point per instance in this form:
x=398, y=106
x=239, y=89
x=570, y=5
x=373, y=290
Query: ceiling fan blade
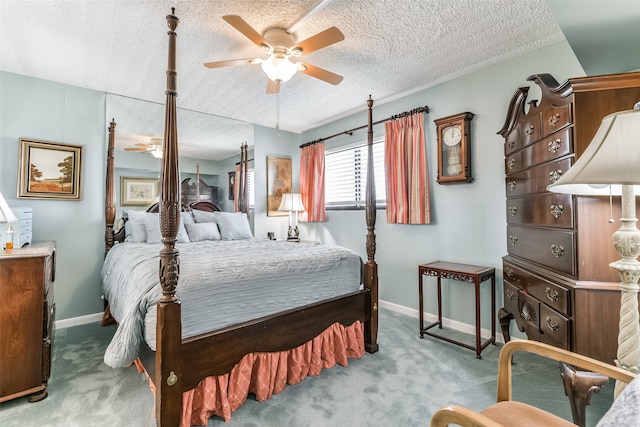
x=135, y=149
x=272, y=87
x=319, y=73
x=322, y=39
x=232, y=62
x=246, y=29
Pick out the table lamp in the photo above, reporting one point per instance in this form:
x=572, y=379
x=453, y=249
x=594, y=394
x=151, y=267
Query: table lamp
x=611, y=166
x=7, y=216
x=292, y=202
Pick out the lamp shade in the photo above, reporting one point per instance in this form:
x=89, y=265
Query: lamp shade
x=279, y=68
x=611, y=159
x=6, y=215
x=291, y=202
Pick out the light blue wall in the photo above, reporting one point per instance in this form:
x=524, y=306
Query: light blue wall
x=468, y=219
x=48, y=111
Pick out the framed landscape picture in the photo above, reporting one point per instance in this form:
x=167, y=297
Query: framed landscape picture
x=136, y=191
x=278, y=183
x=49, y=170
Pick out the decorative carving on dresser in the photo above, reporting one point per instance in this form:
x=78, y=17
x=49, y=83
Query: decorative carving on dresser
x=558, y=286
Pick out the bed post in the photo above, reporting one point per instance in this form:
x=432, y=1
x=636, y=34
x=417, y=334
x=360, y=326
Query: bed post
x=110, y=195
x=169, y=328
x=370, y=267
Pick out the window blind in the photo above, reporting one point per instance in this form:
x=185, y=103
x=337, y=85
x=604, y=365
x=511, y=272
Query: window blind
x=346, y=176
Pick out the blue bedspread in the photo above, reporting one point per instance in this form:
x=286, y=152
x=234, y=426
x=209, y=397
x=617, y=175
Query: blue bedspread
x=221, y=283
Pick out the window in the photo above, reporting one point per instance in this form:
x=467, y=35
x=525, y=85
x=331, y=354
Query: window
x=346, y=176
x=250, y=189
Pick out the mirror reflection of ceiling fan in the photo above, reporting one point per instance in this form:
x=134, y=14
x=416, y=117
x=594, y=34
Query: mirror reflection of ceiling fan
x=154, y=147
x=282, y=51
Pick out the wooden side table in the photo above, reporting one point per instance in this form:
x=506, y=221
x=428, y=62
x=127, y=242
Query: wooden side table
x=464, y=273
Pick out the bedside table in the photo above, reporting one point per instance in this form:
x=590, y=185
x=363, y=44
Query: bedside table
x=27, y=312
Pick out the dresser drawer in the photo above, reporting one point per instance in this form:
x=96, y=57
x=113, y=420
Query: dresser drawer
x=555, y=249
x=528, y=311
x=554, y=118
x=555, y=327
x=530, y=130
x=553, y=147
x=512, y=141
x=545, y=291
x=548, y=210
x=510, y=297
x=536, y=179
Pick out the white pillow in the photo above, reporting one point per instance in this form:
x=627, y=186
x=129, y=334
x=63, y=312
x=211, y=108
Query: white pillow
x=152, y=227
x=187, y=217
x=203, y=216
x=203, y=231
x=233, y=226
x=135, y=231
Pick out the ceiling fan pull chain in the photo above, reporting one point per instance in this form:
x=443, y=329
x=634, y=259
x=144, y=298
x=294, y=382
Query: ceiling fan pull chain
x=278, y=111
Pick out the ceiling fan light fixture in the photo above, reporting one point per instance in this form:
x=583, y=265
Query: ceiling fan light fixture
x=278, y=68
x=157, y=153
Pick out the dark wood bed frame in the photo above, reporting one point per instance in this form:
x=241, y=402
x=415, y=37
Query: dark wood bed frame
x=179, y=365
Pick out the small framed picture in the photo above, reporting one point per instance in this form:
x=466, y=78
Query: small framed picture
x=135, y=191
x=49, y=170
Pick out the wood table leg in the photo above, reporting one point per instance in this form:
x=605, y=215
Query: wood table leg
x=579, y=386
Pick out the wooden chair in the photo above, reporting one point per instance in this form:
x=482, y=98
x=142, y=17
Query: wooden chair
x=509, y=413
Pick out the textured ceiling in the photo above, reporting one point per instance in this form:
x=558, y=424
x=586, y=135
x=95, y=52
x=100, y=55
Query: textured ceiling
x=391, y=49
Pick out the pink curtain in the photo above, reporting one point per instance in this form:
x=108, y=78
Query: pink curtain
x=407, y=178
x=312, y=183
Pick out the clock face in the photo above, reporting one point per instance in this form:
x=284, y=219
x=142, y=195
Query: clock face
x=452, y=135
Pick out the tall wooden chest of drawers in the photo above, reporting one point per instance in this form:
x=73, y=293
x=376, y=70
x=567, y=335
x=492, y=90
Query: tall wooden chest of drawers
x=27, y=312
x=558, y=285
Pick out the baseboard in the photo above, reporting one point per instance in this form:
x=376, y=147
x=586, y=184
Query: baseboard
x=448, y=323
x=80, y=320
x=411, y=312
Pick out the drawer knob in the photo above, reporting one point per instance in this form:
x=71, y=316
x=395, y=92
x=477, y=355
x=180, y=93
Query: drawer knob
x=555, y=175
x=510, y=294
x=514, y=240
x=512, y=185
x=509, y=272
x=557, y=210
x=553, y=120
x=513, y=210
x=552, y=324
x=552, y=294
x=554, y=145
x=511, y=163
x=529, y=130
x=557, y=250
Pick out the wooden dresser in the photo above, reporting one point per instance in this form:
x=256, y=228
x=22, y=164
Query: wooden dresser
x=27, y=313
x=558, y=285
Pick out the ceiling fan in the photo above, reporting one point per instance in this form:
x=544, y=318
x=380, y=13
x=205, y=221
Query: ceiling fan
x=154, y=147
x=282, y=51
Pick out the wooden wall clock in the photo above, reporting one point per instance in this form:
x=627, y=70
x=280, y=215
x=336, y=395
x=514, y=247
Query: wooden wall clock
x=454, y=148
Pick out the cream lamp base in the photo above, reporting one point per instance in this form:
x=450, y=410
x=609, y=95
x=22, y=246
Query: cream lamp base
x=627, y=242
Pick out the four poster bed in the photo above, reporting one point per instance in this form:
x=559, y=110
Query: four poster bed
x=254, y=345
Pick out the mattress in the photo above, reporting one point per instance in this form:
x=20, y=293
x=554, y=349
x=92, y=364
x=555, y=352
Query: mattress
x=221, y=283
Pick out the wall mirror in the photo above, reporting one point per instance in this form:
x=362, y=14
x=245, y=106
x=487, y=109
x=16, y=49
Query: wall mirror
x=207, y=142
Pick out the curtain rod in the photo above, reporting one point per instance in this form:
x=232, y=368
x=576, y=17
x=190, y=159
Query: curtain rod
x=248, y=160
x=424, y=109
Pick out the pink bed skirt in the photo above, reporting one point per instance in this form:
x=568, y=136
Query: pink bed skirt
x=266, y=374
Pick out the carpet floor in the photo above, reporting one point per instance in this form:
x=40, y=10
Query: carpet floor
x=401, y=385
